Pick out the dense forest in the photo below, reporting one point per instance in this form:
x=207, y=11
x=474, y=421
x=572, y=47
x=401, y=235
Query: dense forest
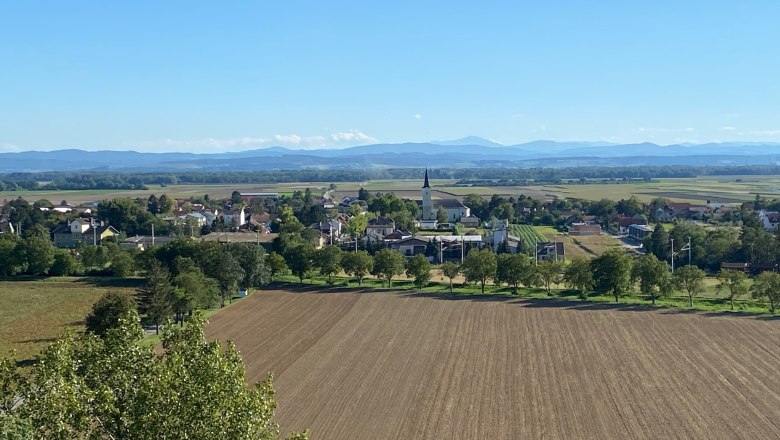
x=482, y=176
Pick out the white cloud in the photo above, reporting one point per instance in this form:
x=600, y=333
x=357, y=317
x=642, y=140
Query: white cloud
x=728, y=128
x=9, y=148
x=665, y=130
x=417, y=116
x=353, y=136
x=340, y=139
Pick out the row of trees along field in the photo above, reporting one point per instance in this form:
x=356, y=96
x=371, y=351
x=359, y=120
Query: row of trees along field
x=613, y=273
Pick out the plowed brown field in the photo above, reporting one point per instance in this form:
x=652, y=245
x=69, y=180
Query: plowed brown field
x=359, y=365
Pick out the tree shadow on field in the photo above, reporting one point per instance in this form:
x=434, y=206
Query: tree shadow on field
x=557, y=303
x=36, y=341
x=475, y=297
x=309, y=289
x=722, y=314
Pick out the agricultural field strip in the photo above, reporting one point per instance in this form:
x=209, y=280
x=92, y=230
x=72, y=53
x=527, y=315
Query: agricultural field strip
x=528, y=234
x=394, y=365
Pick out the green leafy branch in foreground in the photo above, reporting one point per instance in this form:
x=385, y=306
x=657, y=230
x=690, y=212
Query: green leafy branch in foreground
x=112, y=387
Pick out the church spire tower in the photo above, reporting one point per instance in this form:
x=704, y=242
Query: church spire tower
x=427, y=206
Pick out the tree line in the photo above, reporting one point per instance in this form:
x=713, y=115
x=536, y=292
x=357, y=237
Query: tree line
x=104, y=180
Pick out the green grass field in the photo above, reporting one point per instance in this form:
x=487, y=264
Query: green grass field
x=528, y=234
x=36, y=311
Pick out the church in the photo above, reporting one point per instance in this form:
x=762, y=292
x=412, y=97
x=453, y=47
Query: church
x=453, y=207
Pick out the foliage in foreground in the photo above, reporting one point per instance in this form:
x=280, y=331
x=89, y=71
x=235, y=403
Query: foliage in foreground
x=113, y=387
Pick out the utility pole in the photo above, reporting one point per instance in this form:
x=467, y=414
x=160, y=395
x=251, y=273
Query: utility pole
x=689, y=251
x=672, y=255
x=536, y=251
x=441, y=252
x=462, y=248
x=152, y=234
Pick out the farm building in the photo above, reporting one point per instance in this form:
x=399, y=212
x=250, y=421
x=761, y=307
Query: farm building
x=639, y=232
x=410, y=246
x=742, y=267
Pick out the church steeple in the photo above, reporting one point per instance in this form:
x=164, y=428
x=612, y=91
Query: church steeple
x=426, y=185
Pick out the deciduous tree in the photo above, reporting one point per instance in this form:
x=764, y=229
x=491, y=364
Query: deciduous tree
x=689, y=279
x=108, y=311
x=480, y=265
x=612, y=273
x=387, y=264
x=299, y=259
x=450, y=270
x=276, y=264
x=734, y=282
x=328, y=260
x=578, y=276
x=113, y=387
x=419, y=268
x=512, y=269
x=766, y=286
x=652, y=275
x=550, y=272
x=358, y=264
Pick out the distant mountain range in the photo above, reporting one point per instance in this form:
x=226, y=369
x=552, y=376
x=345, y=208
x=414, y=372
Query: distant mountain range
x=469, y=152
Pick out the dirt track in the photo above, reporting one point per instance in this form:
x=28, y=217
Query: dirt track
x=399, y=366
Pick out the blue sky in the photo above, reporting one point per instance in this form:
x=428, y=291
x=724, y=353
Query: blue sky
x=216, y=76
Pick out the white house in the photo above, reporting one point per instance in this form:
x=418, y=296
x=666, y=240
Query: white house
x=770, y=219
x=380, y=226
x=236, y=217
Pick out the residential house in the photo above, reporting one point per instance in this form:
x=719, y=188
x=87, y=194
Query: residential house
x=623, y=222
x=84, y=231
x=196, y=217
x=234, y=216
x=211, y=216
x=551, y=251
x=396, y=236
x=380, y=226
x=770, y=219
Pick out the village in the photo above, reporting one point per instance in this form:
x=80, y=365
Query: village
x=442, y=229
